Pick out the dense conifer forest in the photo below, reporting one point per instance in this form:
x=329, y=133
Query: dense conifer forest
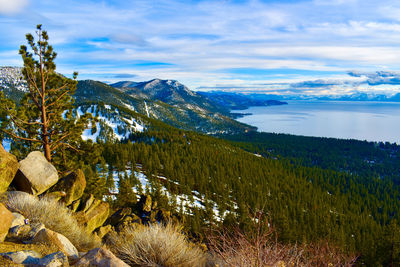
x=305, y=200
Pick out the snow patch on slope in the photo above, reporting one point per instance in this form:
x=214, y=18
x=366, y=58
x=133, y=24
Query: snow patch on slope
x=121, y=126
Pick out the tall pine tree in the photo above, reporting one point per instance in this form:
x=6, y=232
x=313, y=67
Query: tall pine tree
x=45, y=117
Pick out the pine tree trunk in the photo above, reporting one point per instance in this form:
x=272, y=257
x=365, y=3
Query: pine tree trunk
x=45, y=136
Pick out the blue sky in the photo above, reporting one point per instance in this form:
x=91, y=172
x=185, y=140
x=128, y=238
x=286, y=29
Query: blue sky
x=314, y=46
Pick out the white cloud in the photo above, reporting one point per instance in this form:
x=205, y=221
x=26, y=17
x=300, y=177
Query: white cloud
x=201, y=39
x=9, y=7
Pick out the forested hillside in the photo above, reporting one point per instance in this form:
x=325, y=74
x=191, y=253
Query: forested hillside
x=225, y=185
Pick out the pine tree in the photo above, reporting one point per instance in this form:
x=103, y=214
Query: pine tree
x=45, y=116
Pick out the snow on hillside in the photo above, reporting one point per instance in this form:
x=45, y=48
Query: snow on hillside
x=120, y=126
x=11, y=77
x=184, y=203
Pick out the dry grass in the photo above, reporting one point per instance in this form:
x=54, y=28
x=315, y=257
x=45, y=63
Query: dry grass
x=53, y=215
x=156, y=245
x=237, y=249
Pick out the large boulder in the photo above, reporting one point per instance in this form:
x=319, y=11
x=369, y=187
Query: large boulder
x=58, y=240
x=100, y=257
x=35, y=174
x=93, y=216
x=97, y=216
x=6, y=218
x=73, y=185
x=8, y=168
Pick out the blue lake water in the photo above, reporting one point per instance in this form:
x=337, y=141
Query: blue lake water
x=372, y=121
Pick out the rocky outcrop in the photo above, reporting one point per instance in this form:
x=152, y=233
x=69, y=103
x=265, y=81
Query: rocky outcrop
x=35, y=174
x=73, y=185
x=100, y=257
x=58, y=240
x=8, y=168
x=33, y=258
x=6, y=219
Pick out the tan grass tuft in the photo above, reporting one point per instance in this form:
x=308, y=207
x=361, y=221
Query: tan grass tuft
x=156, y=245
x=54, y=216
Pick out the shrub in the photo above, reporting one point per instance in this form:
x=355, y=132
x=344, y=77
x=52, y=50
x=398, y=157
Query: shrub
x=233, y=248
x=155, y=245
x=55, y=216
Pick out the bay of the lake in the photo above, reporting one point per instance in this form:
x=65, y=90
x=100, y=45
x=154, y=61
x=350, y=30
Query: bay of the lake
x=372, y=121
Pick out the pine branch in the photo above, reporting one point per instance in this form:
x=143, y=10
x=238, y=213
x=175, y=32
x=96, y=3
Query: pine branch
x=22, y=138
x=20, y=126
x=60, y=139
x=68, y=145
x=58, y=89
x=31, y=81
x=58, y=99
x=24, y=122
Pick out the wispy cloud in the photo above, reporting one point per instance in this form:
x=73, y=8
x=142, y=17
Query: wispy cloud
x=289, y=45
x=12, y=7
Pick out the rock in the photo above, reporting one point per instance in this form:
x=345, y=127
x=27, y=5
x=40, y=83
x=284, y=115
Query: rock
x=24, y=233
x=35, y=174
x=18, y=219
x=35, y=228
x=60, y=241
x=22, y=257
x=97, y=216
x=57, y=195
x=94, y=205
x=8, y=168
x=53, y=260
x=6, y=218
x=131, y=220
x=19, y=233
x=88, y=203
x=75, y=205
x=119, y=216
x=145, y=203
x=32, y=258
x=102, y=231
x=73, y=185
x=101, y=257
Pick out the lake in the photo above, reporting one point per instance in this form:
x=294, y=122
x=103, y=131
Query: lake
x=372, y=121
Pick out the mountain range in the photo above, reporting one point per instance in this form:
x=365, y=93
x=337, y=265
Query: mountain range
x=165, y=100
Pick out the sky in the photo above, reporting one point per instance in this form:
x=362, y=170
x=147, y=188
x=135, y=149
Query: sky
x=319, y=47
